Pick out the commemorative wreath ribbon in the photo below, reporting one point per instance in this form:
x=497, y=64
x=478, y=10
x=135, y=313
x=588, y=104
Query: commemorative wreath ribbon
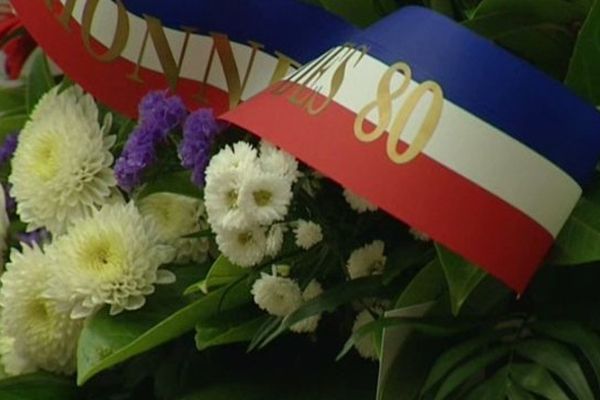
x=435, y=125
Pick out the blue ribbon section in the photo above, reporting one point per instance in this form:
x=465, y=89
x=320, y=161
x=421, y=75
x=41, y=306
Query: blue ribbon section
x=300, y=31
x=492, y=84
x=476, y=75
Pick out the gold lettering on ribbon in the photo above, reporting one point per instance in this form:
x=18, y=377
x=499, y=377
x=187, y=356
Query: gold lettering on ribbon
x=121, y=32
x=65, y=16
x=383, y=105
x=171, y=68
x=304, y=81
x=235, y=83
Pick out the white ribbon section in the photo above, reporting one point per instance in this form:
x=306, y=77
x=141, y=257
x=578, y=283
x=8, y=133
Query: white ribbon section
x=196, y=60
x=465, y=144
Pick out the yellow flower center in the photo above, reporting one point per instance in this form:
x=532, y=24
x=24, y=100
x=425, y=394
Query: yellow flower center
x=262, y=197
x=45, y=160
x=104, y=256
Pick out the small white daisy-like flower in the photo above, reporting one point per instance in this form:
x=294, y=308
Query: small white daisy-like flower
x=357, y=203
x=265, y=198
x=418, y=235
x=276, y=161
x=307, y=234
x=174, y=215
x=239, y=157
x=310, y=324
x=367, y=260
x=365, y=345
x=61, y=167
x=244, y=247
x=37, y=332
x=275, y=239
x=110, y=258
x=222, y=198
x=276, y=295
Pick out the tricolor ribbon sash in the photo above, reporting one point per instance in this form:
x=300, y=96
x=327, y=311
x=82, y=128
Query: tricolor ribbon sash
x=438, y=127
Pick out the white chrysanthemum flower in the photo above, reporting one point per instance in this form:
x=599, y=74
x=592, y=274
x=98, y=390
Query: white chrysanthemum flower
x=367, y=260
x=365, y=345
x=110, y=258
x=418, y=235
x=239, y=157
x=61, y=167
x=276, y=161
x=357, y=203
x=37, y=332
x=310, y=324
x=174, y=215
x=275, y=239
x=4, y=225
x=265, y=198
x=276, y=295
x=222, y=201
x=307, y=234
x=244, y=247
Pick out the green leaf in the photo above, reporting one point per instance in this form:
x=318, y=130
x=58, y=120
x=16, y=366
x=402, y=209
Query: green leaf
x=427, y=285
x=538, y=380
x=462, y=277
x=575, y=334
x=538, y=30
x=454, y=356
x=12, y=98
x=359, y=12
x=443, y=7
x=227, y=328
x=176, y=182
x=579, y=240
x=494, y=388
x=559, y=360
x=39, y=80
x=583, y=76
x=12, y=123
x=108, y=340
x=515, y=392
x=38, y=386
x=465, y=371
x=221, y=273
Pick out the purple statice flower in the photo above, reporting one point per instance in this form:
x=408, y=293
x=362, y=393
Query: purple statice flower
x=199, y=132
x=8, y=147
x=163, y=111
x=159, y=114
x=36, y=237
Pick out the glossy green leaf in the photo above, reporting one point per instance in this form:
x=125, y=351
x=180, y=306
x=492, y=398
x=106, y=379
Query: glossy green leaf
x=451, y=358
x=515, y=392
x=579, y=240
x=462, y=277
x=536, y=379
x=221, y=273
x=39, y=80
x=176, y=182
x=12, y=98
x=38, y=386
x=494, y=388
x=429, y=284
x=560, y=361
x=587, y=341
x=583, y=76
x=108, y=340
x=11, y=123
x=469, y=368
x=227, y=328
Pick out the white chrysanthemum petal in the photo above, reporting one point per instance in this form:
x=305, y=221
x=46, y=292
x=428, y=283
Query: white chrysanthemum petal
x=36, y=329
x=275, y=161
x=244, y=247
x=239, y=157
x=265, y=198
x=111, y=258
x=366, y=261
x=61, y=167
x=366, y=345
x=357, y=203
x=174, y=215
x=221, y=197
x=310, y=324
x=307, y=234
x=275, y=239
x=191, y=250
x=277, y=296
